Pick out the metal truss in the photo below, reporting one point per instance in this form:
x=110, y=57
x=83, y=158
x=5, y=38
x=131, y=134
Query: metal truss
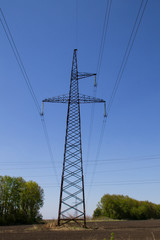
x=72, y=198
x=81, y=99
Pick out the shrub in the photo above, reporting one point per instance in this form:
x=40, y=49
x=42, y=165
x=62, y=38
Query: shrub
x=123, y=207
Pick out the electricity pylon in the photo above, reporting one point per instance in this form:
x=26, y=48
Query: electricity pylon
x=72, y=198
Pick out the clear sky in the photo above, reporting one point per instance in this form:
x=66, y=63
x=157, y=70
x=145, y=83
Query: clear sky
x=45, y=34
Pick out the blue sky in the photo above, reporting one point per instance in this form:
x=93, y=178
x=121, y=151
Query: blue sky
x=45, y=34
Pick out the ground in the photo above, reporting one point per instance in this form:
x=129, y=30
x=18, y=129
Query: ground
x=96, y=230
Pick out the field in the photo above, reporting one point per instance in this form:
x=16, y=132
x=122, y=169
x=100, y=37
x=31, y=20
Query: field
x=96, y=230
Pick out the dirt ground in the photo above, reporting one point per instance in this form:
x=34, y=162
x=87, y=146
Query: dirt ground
x=126, y=230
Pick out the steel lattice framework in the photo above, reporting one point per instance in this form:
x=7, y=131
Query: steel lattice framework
x=72, y=199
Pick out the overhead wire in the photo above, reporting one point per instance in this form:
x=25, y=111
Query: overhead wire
x=127, y=52
x=103, y=171
x=18, y=59
x=119, y=183
x=107, y=160
x=90, y=163
x=120, y=73
x=100, y=56
x=122, y=67
x=103, y=39
x=27, y=81
x=26, y=168
x=49, y=145
x=104, y=34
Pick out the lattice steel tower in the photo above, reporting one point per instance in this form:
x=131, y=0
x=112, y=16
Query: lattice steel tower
x=72, y=198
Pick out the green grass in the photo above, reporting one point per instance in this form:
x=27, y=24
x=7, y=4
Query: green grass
x=112, y=236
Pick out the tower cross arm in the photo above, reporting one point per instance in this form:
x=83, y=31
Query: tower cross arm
x=88, y=99
x=81, y=99
x=85, y=75
x=59, y=99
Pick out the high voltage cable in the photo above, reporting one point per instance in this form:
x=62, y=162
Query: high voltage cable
x=27, y=81
x=49, y=145
x=104, y=33
x=103, y=38
x=123, y=65
x=91, y=162
x=41, y=176
x=19, y=60
x=103, y=171
x=128, y=169
x=127, y=52
x=97, y=155
x=26, y=168
x=123, y=182
x=115, y=183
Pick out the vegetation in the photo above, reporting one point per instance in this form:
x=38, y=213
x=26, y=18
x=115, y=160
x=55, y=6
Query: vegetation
x=124, y=207
x=20, y=201
x=112, y=236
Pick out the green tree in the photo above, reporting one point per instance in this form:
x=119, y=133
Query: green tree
x=123, y=207
x=32, y=201
x=20, y=201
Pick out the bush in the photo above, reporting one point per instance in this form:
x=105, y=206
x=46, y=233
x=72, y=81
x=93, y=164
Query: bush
x=20, y=201
x=123, y=207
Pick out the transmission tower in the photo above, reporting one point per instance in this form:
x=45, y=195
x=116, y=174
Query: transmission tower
x=72, y=198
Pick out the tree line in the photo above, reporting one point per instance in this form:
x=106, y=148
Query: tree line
x=124, y=207
x=20, y=201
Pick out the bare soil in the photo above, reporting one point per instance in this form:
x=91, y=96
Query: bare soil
x=96, y=230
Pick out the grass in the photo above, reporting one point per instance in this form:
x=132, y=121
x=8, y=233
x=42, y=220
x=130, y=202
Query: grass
x=98, y=219
x=51, y=225
x=112, y=236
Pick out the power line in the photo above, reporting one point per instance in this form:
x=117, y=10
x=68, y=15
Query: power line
x=98, y=151
x=119, y=183
x=127, y=52
x=106, y=161
x=49, y=146
x=20, y=163
x=19, y=60
x=98, y=172
x=122, y=67
x=103, y=171
x=92, y=162
x=27, y=81
x=127, y=169
x=101, y=50
x=104, y=33
x=119, y=160
x=26, y=168
x=97, y=155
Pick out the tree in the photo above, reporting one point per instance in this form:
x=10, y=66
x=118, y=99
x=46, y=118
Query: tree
x=20, y=201
x=32, y=201
x=123, y=207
